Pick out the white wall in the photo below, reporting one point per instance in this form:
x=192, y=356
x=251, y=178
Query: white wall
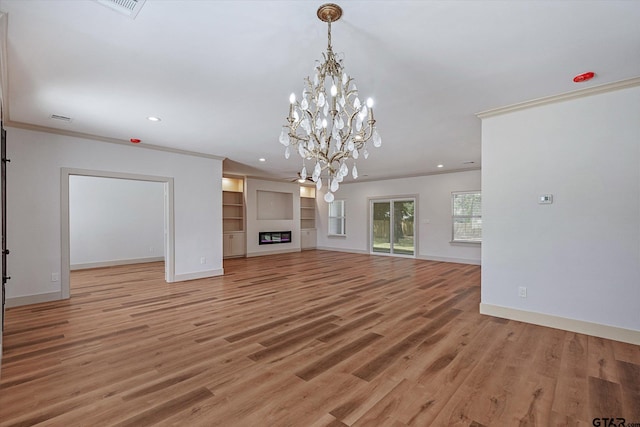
x=433, y=224
x=255, y=225
x=34, y=204
x=114, y=221
x=579, y=258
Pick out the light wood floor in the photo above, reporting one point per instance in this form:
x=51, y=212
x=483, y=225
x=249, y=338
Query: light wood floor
x=310, y=339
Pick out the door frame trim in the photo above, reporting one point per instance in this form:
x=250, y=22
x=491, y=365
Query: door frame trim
x=65, y=243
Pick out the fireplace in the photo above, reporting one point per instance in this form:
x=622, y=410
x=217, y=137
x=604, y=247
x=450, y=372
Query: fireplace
x=274, y=237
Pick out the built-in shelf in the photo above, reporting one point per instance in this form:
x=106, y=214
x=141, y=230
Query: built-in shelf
x=233, y=213
x=307, y=210
x=307, y=217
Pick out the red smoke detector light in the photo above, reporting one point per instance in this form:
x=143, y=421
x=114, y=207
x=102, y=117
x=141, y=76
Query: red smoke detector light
x=584, y=77
x=135, y=140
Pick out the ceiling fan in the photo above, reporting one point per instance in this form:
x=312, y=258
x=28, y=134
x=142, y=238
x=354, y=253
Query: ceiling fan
x=302, y=181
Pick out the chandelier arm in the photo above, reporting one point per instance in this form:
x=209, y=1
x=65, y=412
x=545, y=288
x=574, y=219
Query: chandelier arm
x=368, y=129
x=298, y=138
x=350, y=121
x=340, y=155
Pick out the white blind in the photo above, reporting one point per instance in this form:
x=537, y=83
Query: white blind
x=467, y=216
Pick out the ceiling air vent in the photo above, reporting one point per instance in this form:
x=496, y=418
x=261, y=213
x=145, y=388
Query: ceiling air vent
x=61, y=118
x=129, y=8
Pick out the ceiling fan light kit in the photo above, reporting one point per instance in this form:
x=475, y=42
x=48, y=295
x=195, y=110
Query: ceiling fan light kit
x=329, y=125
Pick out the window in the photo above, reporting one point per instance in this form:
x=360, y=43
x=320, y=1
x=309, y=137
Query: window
x=337, y=218
x=467, y=216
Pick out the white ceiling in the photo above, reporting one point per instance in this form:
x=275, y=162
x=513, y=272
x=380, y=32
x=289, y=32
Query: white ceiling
x=219, y=73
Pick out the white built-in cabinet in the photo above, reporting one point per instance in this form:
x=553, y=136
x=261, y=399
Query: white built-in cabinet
x=308, y=236
x=233, y=218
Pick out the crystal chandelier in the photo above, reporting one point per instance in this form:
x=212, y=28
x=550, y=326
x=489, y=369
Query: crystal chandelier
x=329, y=125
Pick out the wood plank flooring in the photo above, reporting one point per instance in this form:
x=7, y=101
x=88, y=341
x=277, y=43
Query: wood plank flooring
x=315, y=339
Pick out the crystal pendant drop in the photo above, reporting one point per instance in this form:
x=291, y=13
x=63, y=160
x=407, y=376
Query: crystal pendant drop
x=284, y=137
x=303, y=172
x=355, y=154
x=318, y=123
x=364, y=112
x=345, y=79
x=377, y=141
x=325, y=110
x=301, y=151
x=304, y=104
x=310, y=145
x=317, y=170
x=340, y=124
x=323, y=143
x=334, y=185
x=305, y=125
x=319, y=184
x=328, y=197
x=356, y=104
x=321, y=99
x=315, y=80
x=339, y=177
x=358, y=123
x=354, y=171
x=344, y=169
x=287, y=153
x=342, y=101
x=365, y=153
x=350, y=145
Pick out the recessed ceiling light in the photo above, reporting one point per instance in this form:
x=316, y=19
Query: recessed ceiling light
x=153, y=119
x=262, y=159
x=440, y=166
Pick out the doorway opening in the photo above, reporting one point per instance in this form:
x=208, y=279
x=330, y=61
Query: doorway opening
x=167, y=240
x=392, y=227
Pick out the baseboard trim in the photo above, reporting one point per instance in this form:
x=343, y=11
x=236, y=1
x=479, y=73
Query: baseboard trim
x=447, y=259
x=423, y=257
x=282, y=251
x=351, y=251
x=198, y=275
x=32, y=299
x=580, y=326
x=114, y=263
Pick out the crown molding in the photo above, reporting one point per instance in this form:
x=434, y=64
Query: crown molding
x=581, y=93
x=415, y=175
x=44, y=129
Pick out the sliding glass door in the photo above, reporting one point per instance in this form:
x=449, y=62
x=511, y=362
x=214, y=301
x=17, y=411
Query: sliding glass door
x=392, y=227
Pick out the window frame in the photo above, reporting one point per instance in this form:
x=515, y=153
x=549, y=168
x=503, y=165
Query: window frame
x=454, y=217
x=342, y=218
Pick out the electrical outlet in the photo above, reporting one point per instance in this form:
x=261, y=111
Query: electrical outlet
x=55, y=277
x=203, y=260
x=522, y=291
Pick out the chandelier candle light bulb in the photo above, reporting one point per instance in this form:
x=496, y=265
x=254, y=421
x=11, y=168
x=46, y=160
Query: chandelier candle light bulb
x=329, y=132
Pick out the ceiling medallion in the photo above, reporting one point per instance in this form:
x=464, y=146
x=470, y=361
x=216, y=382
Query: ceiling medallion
x=329, y=126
